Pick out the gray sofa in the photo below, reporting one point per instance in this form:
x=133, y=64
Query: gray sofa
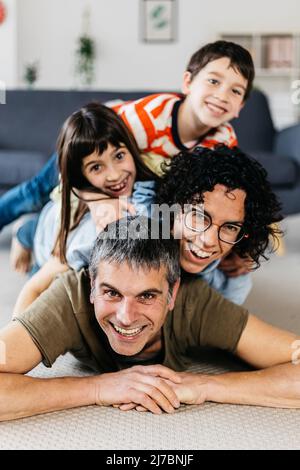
x=278, y=152
x=30, y=122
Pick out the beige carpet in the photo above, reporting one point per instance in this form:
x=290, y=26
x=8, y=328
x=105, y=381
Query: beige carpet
x=210, y=426
x=275, y=297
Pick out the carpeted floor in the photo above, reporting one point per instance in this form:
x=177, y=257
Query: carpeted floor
x=275, y=298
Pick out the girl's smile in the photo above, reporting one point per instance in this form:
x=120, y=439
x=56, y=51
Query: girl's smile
x=119, y=189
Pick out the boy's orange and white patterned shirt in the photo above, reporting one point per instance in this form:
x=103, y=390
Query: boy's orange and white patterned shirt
x=153, y=122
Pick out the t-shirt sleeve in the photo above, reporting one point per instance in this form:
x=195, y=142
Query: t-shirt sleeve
x=223, y=134
x=213, y=320
x=143, y=197
x=80, y=243
x=236, y=289
x=232, y=138
x=51, y=323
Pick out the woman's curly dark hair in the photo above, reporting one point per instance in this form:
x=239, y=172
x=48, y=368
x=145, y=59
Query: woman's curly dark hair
x=190, y=174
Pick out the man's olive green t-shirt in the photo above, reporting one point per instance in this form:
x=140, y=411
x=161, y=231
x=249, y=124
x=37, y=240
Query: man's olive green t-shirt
x=62, y=320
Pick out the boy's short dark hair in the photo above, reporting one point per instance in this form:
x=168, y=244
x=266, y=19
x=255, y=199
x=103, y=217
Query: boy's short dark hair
x=190, y=175
x=239, y=58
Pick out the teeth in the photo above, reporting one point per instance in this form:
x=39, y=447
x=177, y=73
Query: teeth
x=132, y=332
x=215, y=108
x=200, y=253
x=120, y=186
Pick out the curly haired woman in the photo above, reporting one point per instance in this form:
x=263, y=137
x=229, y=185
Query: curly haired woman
x=226, y=205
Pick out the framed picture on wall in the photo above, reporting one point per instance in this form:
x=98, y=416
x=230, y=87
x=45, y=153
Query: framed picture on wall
x=158, y=20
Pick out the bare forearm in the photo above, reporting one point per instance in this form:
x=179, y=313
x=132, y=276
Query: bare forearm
x=277, y=387
x=39, y=283
x=22, y=396
x=26, y=297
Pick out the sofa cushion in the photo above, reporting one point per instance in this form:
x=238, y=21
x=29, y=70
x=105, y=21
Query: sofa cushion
x=254, y=127
x=32, y=119
x=283, y=172
x=17, y=166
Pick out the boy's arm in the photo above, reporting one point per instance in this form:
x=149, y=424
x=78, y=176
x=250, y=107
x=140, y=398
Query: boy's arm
x=277, y=384
x=39, y=282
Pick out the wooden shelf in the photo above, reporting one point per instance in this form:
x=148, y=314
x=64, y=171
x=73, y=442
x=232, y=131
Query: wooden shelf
x=274, y=72
x=267, y=49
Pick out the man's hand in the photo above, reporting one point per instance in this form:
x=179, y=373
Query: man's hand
x=232, y=265
x=191, y=390
x=150, y=387
x=109, y=210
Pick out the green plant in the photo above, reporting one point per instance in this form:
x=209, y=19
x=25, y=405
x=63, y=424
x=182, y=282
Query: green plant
x=85, y=59
x=31, y=73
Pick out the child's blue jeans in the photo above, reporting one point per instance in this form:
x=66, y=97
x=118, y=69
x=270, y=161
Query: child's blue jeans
x=29, y=196
x=25, y=235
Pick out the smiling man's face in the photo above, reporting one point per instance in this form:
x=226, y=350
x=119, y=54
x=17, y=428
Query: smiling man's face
x=198, y=250
x=131, y=305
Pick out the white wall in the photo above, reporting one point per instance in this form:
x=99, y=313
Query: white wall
x=8, y=46
x=48, y=30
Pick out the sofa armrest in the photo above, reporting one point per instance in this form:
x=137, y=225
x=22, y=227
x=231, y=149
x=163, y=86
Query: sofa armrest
x=283, y=172
x=287, y=142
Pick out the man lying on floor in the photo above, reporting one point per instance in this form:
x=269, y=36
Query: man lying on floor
x=130, y=321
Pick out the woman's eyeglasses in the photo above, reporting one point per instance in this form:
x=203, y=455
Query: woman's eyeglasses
x=229, y=232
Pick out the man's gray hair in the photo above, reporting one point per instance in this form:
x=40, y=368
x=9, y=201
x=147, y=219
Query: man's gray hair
x=117, y=244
